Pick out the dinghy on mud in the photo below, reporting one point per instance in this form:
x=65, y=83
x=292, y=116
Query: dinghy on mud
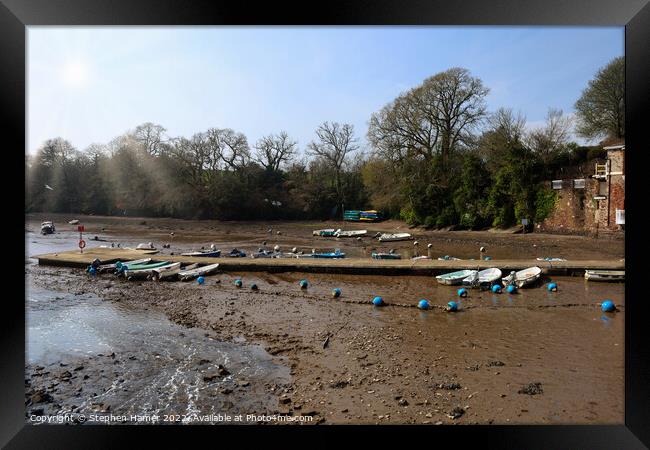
x=454, y=278
x=167, y=272
x=137, y=271
x=332, y=255
x=605, y=275
x=523, y=278
x=328, y=232
x=189, y=274
x=350, y=233
x=391, y=237
x=484, y=278
x=112, y=267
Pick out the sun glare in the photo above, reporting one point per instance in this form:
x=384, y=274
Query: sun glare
x=75, y=74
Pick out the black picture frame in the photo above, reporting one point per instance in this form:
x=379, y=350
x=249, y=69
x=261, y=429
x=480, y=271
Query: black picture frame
x=634, y=15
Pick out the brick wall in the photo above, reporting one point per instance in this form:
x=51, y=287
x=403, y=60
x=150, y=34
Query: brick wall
x=574, y=211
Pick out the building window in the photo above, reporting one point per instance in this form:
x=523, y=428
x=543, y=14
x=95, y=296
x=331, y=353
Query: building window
x=579, y=184
x=556, y=184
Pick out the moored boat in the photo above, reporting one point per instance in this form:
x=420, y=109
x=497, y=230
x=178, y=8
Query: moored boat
x=551, y=259
x=454, y=278
x=121, y=268
x=484, y=278
x=390, y=237
x=523, y=278
x=168, y=271
x=605, y=275
x=448, y=258
x=147, y=246
x=110, y=267
x=189, y=274
x=204, y=254
x=335, y=254
x=145, y=270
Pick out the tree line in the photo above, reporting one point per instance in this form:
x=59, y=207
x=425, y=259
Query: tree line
x=436, y=158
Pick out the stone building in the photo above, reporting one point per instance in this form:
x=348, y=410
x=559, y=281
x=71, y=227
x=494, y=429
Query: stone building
x=594, y=204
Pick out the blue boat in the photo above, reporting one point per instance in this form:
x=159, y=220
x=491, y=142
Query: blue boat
x=335, y=254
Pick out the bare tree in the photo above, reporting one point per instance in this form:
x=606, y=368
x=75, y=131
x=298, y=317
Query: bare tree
x=335, y=142
x=552, y=137
x=150, y=136
x=431, y=119
x=510, y=125
x=272, y=151
x=230, y=146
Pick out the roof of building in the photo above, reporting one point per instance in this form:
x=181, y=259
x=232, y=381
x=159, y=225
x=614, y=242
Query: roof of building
x=615, y=147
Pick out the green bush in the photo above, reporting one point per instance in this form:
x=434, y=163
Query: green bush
x=544, y=203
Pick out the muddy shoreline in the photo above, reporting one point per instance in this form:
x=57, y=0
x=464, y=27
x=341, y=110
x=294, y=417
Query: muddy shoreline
x=534, y=357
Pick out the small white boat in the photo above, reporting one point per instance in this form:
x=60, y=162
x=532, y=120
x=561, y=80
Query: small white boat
x=390, y=237
x=147, y=246
x=605, y=275
x=551, y=259
x=484, y=278
x=350, y=233
x=191, y=273
x=166, y=271
x=453, y=278
x=74, y=222
x=417, y=258
x=143, y=273
x=523, y=278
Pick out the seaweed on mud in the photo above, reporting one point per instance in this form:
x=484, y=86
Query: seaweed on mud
x=532, y=389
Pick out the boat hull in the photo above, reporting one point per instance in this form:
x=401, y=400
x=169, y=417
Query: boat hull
x=605, y=275
x=454, y=278
x=186, y=275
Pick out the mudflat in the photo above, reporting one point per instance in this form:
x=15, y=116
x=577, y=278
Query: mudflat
x=530, y=357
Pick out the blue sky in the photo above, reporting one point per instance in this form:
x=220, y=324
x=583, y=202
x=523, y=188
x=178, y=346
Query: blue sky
x=92, y=84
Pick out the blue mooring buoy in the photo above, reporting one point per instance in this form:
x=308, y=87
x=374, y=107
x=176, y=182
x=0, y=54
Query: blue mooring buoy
x=423, y=304
x=452, y=306
x=254, y=286
x=552, y=287
x=511, y=289
x=238, y=283
x=462, y=292
x=304, y=284
x=336, y=292
x=608, y=306
x=200, y=280
x=496, y=288
x=92, y=270
x=378, y=301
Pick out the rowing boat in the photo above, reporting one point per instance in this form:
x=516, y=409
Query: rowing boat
x=605, y=275
x=204, y=254
x=385, y=256
x=189, y=274
x=390, y=237
x=551, y=259
x=453, y=278
x=484, y=278
x=523, y=278
x=113, y=266
x=143, y=271
x=448, y=258
x=168, y=271
x=350, y=233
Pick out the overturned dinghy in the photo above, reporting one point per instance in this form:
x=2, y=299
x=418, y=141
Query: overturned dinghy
x=484, y=278
x=605, y=275
x=191, y=273
x=147, y=246
x=133, y=272
x=523, y=278
x=453, y=278
x=390, y=237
